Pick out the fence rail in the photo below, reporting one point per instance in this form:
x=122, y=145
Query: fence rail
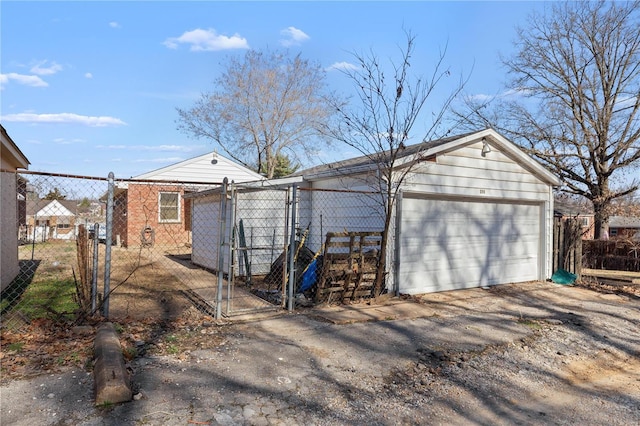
x=131, y=249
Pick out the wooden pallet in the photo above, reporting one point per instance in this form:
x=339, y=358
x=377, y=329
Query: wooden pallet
x=348, y=268
x=616, y=278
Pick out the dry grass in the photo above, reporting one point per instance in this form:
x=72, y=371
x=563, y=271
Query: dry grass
x=146, y=303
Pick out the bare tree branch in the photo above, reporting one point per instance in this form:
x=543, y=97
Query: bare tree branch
x=579, y=68
x=264, y=106
x=380, y=124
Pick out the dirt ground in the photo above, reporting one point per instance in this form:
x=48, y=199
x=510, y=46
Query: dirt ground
x=533, y=353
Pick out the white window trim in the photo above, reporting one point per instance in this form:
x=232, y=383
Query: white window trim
x=160, y=220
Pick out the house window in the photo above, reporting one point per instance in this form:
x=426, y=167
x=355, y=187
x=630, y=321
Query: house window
x=584, y=222
x=63, y=226
x=613, y=232
x=169, y=206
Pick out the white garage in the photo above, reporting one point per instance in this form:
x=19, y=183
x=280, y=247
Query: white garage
x=449, y=244
x=475, y=210
x=472, y=210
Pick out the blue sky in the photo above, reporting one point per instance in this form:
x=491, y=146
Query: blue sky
x=93, y=87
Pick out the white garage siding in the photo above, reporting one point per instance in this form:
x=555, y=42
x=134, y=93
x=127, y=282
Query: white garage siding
x=205, y=225
x=334, y=211
x=263, y=217
x=449, y=244
x=468, y=220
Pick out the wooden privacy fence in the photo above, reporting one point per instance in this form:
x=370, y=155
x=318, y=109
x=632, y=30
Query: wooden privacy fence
x=619, y=255
x=567, y=245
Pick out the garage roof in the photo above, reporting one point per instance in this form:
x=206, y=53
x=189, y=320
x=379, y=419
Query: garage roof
x=428, y=149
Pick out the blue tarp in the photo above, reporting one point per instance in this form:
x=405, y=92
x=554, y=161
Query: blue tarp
x=310, y=276
x=563, y=277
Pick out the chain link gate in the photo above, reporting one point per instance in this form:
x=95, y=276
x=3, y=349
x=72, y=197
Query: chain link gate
x=251, y=226
x=152, y=250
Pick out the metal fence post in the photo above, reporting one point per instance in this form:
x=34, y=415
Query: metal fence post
x=107, y=248
x=397, y=245
x=94, y=274
x=292, y=249
x=223, y=223
x=232, y=242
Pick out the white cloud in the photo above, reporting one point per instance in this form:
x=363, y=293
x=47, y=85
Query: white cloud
x=88, y=75
x=26, y=80
x=207, y=40
x=481, y=97
x=510, y=93
x=63, y=141
x=160, y=148
x=41, y=69
x=160, y=160
x=64, y=117
x=114, y=24
x=342, y=66
x=293, y=37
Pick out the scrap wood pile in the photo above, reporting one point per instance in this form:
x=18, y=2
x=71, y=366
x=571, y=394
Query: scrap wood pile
x=347, y=270
x=343, y=270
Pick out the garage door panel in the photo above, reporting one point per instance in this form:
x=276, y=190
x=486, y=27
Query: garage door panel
x=473, y=248
x=453, y=244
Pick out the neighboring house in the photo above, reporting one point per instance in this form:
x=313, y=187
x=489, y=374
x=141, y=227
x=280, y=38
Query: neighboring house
x=624, y=227
x=151, y=208
x=571, y=210
x=11, y=206
x=51, y=219
x=475, y=211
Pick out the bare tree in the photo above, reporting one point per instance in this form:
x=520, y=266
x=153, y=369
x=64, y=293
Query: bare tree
x=264, y=106
x=380, y=124
x=577, y=70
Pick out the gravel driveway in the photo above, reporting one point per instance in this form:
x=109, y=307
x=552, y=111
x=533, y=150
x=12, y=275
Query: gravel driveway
x=533, y=353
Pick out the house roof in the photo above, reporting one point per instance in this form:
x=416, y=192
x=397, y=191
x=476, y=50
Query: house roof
x=52, y=208
x=624, y=222
x=209, y=168
x=571, y=208
x=429, y=149
x=10, y=152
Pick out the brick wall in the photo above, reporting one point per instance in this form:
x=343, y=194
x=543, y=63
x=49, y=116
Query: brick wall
x=142, y=210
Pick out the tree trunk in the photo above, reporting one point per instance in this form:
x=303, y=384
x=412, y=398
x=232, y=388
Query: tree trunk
x=381, y=268
x=601, y=221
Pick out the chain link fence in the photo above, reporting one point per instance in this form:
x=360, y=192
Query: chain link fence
x=131, y=249
x=51, y=211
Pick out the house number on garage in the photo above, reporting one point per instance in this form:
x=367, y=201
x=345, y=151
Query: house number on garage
x=482, y=191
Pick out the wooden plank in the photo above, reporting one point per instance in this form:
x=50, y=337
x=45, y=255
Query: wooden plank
x=614, y=282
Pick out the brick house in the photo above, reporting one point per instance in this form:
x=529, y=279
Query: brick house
x=151, y=208
x=623, y=226
x=569, y=209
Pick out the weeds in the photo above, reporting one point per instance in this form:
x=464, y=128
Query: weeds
x=15, y=347
x=532, y=324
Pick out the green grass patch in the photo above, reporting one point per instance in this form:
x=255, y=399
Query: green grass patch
x=50, y=296
x=15, y=347
x=532, y=324
x=42, y=299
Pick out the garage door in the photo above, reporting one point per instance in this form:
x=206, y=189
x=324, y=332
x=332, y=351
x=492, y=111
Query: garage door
x=448, y=244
